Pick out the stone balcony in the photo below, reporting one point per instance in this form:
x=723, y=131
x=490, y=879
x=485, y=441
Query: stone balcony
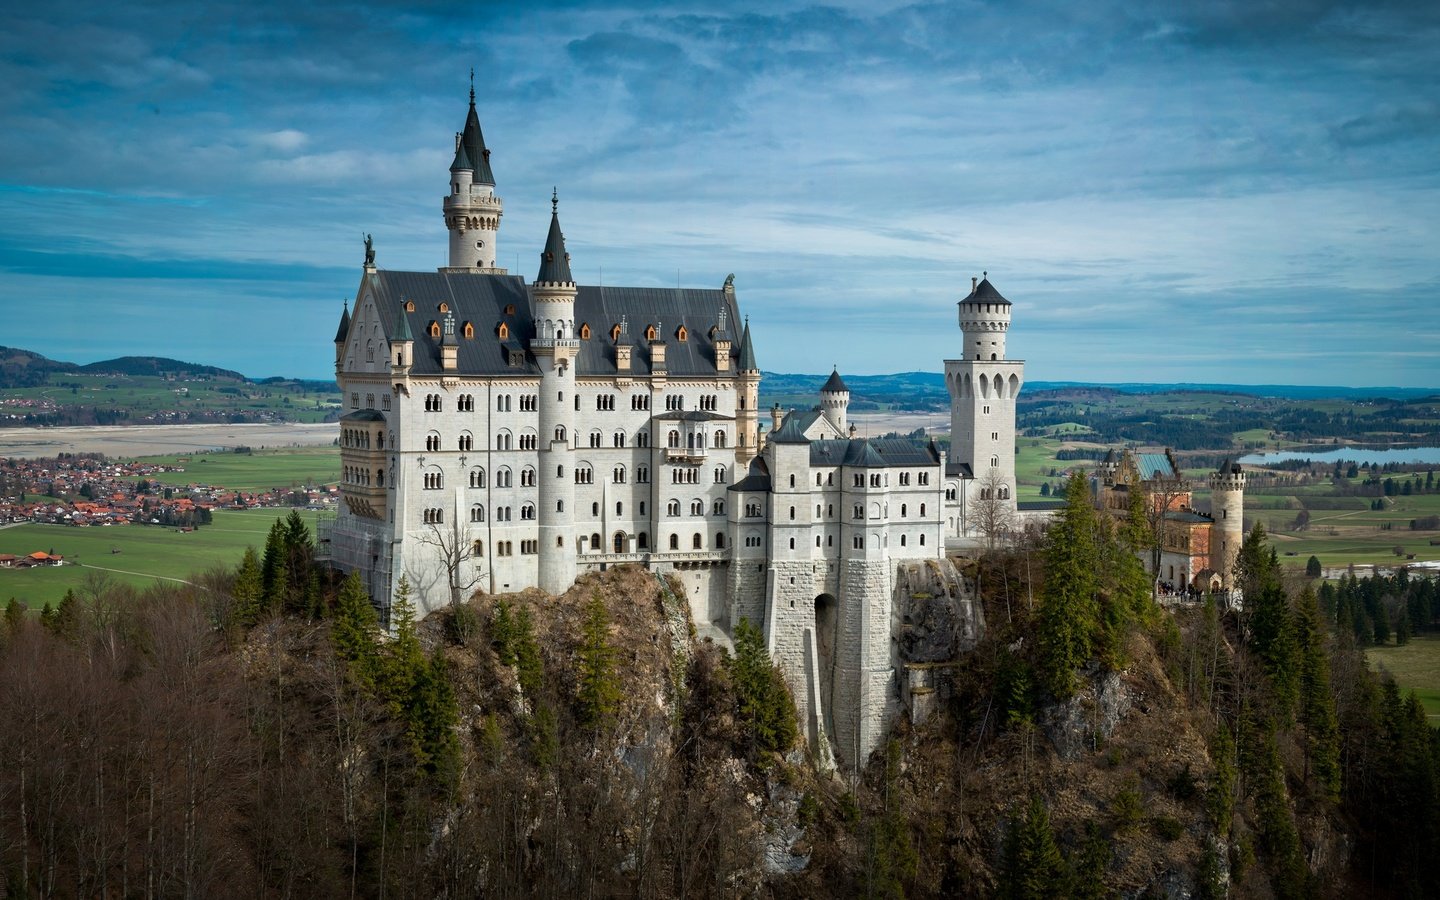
x=685, y=454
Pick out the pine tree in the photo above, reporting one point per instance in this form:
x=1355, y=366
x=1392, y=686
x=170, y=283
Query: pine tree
x=1067, y=611
x=275, y=572
x=1220, y=798
x=354, y=630
x=248, y=590
x=1317, y=704
x=1313, y=569
x=1034, y=869
x=14, y=616
x=762, y=699
x=434, y=714
x=599, y=681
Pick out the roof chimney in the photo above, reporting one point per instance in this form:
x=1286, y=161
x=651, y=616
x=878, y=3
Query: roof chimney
x=974, y=282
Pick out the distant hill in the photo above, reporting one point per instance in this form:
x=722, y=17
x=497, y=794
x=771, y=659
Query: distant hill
x=26, y=368
x=921, y=384
x=157, y=365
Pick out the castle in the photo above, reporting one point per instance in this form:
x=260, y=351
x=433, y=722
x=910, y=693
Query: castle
x=1195, y=551
x=500, y=434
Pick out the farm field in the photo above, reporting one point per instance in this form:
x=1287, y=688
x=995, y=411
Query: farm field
x=1340, y=537
x=146, y=553
x=141, y=398
x=257, y=471
x=1416, y=666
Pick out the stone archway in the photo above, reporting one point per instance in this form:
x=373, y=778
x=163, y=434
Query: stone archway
x=827, y=627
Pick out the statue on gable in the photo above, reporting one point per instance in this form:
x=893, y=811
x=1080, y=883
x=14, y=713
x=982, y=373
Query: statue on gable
x=369, y=252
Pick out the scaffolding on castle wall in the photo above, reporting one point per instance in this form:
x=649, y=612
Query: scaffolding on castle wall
x=365, y=552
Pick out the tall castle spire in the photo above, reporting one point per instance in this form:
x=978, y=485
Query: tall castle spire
x=472, y=211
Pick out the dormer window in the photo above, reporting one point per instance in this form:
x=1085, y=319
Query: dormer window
x=409, y=305
x=510, y=309
x=444, y=307
x=503, y=331
x=650, y=333
x=615, y=332
x=681, y=334
x=434, y=328
x=585, y=331
x=469, y=330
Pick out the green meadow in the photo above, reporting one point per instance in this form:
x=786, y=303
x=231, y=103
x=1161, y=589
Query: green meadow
x=1416, y=667
x=256, y=471
x=135, y=554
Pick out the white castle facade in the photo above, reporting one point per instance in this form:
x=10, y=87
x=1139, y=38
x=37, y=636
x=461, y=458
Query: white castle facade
x=501, y=434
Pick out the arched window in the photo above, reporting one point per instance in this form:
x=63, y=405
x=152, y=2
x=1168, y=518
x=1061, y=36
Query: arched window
x=503, y=332
x=585, y=331
x=720, y=439
x=922, y=510
x=682, y=334
x=560, y=433
x=672, y=439
x=477, y=548
x=902, y=540
x=697, y=542
x=618, y=542
x=902, y=510
x=477, y=513
x=672, y=508
x=719, y=474
x=618, y=476
x=619, y=439
x=697, y=508
x=409, y=305
x=674, y=538
x=718, y=508
x=719, y=540
x=434, y=328
x=650, y=336
x=527, y=511
x=527, y=477
x=477, y=478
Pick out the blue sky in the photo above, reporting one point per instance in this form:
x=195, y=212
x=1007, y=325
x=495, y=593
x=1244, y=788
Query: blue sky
x=1238, y=191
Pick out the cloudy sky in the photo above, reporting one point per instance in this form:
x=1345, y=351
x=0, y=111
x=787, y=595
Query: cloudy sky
x=1238, y=191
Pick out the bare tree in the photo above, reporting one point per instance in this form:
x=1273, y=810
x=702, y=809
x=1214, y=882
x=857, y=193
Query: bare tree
x=993, y=514
x=1162, y=496
x=454, y=549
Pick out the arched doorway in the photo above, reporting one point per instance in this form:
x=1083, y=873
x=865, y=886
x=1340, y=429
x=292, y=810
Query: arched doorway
x=619, y=542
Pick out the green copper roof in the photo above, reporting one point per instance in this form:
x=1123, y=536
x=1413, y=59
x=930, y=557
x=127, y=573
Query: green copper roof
x=402, y=327
x=747, y=351
x=343, y=331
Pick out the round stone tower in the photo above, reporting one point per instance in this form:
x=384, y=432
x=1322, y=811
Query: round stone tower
x=555, y=347
x=1227, y=507
x=983, y=385
x=835, y=402
x=472, y=211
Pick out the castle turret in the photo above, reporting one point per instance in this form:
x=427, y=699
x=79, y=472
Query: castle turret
x=747, y=399
x=472, y=211
x=983, y=385
x=1227, y=508
x=342, y=334
x=835, y=401
x=555, y=347
x=402, y=345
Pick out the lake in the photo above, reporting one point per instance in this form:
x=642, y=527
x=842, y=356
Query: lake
x=1348, y=454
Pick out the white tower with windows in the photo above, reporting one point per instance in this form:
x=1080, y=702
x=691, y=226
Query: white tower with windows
x=983, y=385
x=555, y=347
x=472, y=211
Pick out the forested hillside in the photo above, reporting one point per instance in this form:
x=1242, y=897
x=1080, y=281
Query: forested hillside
x=254, y=733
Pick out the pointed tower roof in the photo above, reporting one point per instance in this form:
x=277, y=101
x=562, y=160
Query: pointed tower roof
x=462, y=159
x=402, y=328
x=747, y=350
x=343, y=331
x=472, y=142
x=790, y=431
x=985, y=292
x=835, y=385
x=554, y=261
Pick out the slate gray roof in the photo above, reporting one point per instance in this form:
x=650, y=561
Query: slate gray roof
x=473, y=143
x=363, y=415
x=955, y=469
x=835, y=384
x=985, y=293
x=757, y=479
x=343, y=331
x=481, y=300
x=1188, y=516
x=747, y=351
x=874, y=453
x=790, y=431
x=554, y=261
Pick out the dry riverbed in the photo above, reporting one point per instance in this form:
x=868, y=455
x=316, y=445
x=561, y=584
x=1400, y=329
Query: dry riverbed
x=154, y=440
